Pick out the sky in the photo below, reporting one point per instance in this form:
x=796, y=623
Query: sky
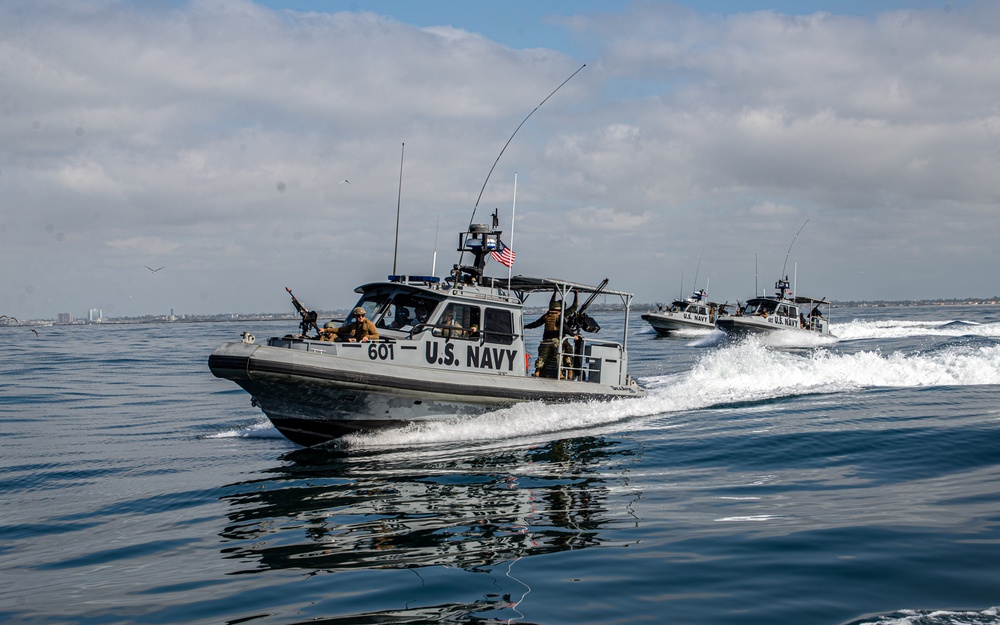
x=245, y=147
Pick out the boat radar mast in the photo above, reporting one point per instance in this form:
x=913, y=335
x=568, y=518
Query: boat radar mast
x=782, y=287
x=480, y=240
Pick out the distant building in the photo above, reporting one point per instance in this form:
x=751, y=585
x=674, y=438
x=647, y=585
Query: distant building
x=65, y=318
x=95, y=315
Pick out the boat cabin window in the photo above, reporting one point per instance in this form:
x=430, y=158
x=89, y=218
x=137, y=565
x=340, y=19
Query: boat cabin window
x=785, y=310
x=760, y=307
x=458, y=321
x=398, y=311
x=499, y=326
x=423, y=308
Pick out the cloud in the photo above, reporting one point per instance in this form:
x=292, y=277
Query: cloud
x=146, y=247
x=768, y=209
x=606, y=219
x=214, y=134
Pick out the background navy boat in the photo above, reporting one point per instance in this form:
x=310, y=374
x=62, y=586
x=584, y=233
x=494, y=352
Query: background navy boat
x=782, y=311
x=692, y=313
x=446, y=348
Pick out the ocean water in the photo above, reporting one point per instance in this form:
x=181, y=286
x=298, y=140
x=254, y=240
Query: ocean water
x=855, y=481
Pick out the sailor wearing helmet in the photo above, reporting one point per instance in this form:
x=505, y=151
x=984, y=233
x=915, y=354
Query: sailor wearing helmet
x=549, y=346
x=359, y=330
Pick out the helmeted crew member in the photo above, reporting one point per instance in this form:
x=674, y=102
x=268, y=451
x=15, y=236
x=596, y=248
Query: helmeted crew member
x=360, y=330
x=548, y=348
x=402, y=318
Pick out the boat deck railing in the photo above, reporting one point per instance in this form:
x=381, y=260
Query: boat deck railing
x=588, y=365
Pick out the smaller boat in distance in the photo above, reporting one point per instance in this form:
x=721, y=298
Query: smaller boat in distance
x=781, y=311
x=692, y=313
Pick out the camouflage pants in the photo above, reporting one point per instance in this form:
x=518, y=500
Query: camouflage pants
x=547, y=352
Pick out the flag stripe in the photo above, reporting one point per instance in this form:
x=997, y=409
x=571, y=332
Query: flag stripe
x=505, y=256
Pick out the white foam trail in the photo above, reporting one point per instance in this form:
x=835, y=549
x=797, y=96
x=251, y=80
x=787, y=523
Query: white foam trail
x=792, y=340
x=742, y=373
x=530, y=420
x=261, y=429
x=711, y=339
x=942, y=617
x=896, y=328
x=749, y=371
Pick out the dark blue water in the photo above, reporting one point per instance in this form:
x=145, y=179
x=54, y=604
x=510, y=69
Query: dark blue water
x=847, y=482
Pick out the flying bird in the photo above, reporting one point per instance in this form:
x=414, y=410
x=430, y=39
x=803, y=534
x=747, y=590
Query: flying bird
x=151, y=269
x=10, y=318
x=35, y=331
x=345, y=180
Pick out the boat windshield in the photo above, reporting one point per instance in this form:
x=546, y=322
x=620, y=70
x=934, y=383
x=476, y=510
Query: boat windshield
x=759, y=307
x=396, y=310
x=406, y=310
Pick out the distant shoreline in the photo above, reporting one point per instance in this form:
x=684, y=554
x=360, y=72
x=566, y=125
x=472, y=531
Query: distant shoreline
x=340, y=314
x=989, y=301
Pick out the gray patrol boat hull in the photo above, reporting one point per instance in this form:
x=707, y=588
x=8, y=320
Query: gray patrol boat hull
x=445, y=349
x=693, y=313
x=314, y=391
x=780, y=312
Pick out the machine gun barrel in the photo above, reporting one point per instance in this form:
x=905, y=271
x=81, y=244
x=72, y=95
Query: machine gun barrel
x=587, y=302
x=309, y=317
x=580, y=319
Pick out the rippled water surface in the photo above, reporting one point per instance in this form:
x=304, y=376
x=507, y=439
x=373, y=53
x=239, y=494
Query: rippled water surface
x=855, y=481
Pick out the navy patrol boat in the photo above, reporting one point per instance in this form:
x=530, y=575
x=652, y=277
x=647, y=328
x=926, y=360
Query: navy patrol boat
x=781, y=311
x=446, y=348
x=692, y=313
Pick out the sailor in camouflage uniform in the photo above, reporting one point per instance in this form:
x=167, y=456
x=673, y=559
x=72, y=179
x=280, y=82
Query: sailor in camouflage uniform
x=549, y=346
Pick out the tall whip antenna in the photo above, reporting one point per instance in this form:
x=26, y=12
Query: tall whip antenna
x=434, y=261
x=513, y=209
x=790, y=247
x=473, y=218
x=698, y=269
x=398, y=200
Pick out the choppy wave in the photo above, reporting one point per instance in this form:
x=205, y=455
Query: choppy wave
x=855, y=483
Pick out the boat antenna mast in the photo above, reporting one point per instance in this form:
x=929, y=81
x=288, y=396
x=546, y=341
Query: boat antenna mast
x=399, y=198
x=790, y=247
x=696, y=271
x=782, y=284
x=473, y=218
x=513, y=211
x=434, y=258
x=502, y=150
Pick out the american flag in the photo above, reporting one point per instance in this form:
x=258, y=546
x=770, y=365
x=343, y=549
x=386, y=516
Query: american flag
x=503, y=254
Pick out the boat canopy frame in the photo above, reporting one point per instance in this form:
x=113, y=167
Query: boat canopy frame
x=514, y=290
x=524, y=286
